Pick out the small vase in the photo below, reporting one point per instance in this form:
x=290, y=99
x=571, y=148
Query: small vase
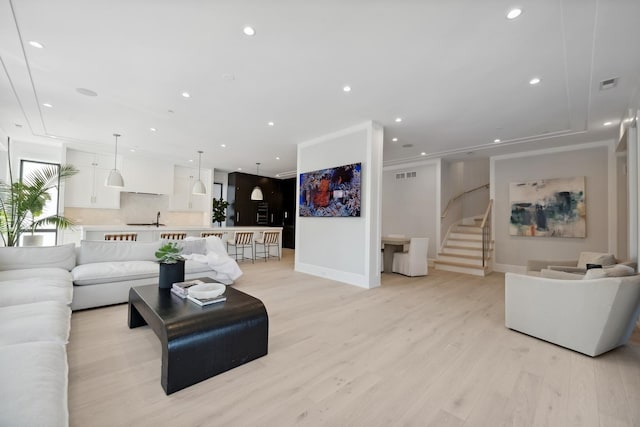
x=170, y=274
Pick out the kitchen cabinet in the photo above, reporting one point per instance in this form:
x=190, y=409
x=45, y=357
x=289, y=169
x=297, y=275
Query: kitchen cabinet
x=147, y=175
x=86, y=189
x=289, y=201
x=182, y=199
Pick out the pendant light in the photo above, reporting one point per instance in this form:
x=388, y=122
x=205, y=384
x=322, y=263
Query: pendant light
x=256, y=194
x=115, y=178
x=198, y=187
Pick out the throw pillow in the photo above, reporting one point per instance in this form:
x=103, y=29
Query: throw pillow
x=18, y=258
x=595, y=258
x=192, y=245
x=619, y=270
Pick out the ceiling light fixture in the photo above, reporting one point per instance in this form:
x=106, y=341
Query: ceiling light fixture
x=608, y=123
x=423, y=154
x=394, y=139
x=46, y=104
x=256, y=193
x=398, y=119
x=223, y=145
x=36, y=44
x=198, y=187
x=347, y=89
x=514, y=13
x=249, y=31
x=186, y=94
x=115, y=178
x=277, y=158
x=153, y=129
x=271, y=124
x=496, y=140
x=535, y=81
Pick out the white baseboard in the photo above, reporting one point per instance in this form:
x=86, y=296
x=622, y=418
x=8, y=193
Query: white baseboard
x=508, y=268
x=354, y=279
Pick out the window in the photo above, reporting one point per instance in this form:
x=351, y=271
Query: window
x=49, y=232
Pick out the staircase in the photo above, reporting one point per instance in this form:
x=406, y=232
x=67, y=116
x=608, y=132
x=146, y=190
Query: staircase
x=462, y=251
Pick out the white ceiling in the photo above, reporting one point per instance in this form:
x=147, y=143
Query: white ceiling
x=455, y=71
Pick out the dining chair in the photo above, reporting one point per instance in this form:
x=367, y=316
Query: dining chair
x=122, y=236
x=218, y=234
x=268, y=240
x=242, y=240
x=173, y=236
x=414, y=262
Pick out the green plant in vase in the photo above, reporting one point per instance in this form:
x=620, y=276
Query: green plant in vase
x=219, y=211
x=171, y=262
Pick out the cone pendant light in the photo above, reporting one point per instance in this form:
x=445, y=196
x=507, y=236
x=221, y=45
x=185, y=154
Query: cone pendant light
x=198, y=187
x=115, y=178
x=256, y=194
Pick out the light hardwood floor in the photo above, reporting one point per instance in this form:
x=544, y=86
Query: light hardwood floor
x=429, y=351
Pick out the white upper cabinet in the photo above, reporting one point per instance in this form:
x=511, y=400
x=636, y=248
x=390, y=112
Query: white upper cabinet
x=147, y=175
x=86, y=189
x=183, y=180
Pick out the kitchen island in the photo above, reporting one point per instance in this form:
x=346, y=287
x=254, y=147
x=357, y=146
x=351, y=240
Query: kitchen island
x=151, y=233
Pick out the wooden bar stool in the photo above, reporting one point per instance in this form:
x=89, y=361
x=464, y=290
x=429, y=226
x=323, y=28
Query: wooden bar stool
x=218, y=234
x=243, y=240
x=122, y=236
x=173, y=236
x=268, y=240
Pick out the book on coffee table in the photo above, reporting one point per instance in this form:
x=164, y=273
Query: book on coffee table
x=182, y=288
x=207, y=301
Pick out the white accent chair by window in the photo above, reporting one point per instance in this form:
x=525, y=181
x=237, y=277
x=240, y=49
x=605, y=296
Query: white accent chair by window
x=589, y=316
x=414, y=262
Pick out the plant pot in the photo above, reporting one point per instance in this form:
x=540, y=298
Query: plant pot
x=32, y=240
x=170, y=274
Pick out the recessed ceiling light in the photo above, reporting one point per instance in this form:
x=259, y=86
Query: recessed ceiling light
x=36, y=44
x=277, y=175
x=423, y=154
x=239, y=169
x=608, y=123
x=190, y=160
x=514, y=13
x=347, y=89
x=398, y=119
x=271, y=124
x=277, y=158
x=46, y=104
x=249, y=31
x=132, y=150
x=223, y=145
x=153, y=129
x=86, y=92
x=496, y=140
x=186, y=95
x=394, y=139
x=534, y=81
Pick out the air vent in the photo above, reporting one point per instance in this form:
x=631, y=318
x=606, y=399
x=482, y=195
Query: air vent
x=400, y=176
x=411, y=174
x=609, y=83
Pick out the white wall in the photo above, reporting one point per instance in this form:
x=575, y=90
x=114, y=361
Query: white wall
x=411, y=206
x=475, y=174
x=594, y=161
x=344, y=249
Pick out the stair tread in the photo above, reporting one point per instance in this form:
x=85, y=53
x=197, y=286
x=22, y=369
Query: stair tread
x=460, y=256
x=468, y=231
x=469, y=248
x=464, y=240
x=461, y=264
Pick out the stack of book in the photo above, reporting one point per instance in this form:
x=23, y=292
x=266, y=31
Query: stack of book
x=181, y=289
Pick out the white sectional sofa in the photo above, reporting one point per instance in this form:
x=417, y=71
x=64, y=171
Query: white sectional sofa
x=106, y=270
x=591, y=316
x=35, y=292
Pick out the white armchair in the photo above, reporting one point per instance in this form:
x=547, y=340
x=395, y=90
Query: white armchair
x=414, y=262
x=588, y=316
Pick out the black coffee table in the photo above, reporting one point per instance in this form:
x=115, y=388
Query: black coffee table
x=200, y=342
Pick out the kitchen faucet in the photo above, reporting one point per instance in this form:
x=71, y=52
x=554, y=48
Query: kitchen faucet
x=158, y=220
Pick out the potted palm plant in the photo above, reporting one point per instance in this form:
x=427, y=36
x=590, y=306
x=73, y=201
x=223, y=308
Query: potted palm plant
x=171, y=265
x=22, y=202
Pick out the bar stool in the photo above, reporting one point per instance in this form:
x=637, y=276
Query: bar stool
x=218, y=234
x=122, y=236
x=173, y=236
x=268, y=240
x=244, y=240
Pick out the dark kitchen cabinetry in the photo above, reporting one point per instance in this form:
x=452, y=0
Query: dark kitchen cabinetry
x=243, y=211
x=288, y=213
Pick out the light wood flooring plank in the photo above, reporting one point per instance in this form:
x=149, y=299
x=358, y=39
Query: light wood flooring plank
x=429, y=351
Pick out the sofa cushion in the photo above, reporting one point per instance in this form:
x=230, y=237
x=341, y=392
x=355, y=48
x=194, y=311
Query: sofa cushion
x=39, y=321
x=595, y=273
x=192, y=266
x=190, y=245
x=619, y=270
x=595, y=258
x=98, y=251
x=35, y=273
x=107, y=272
x=557, y=274
x=16, y=258
x=34, y=385
x=15, y=292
